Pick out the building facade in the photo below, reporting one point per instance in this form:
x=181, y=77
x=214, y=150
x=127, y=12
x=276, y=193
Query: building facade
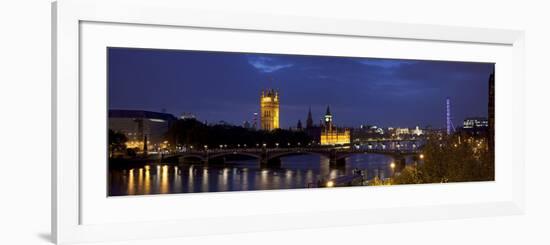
x=331, y=135
x=475, y=122
x=145, y=130
x=269, y=110
x=476, y=126
x=402, y=131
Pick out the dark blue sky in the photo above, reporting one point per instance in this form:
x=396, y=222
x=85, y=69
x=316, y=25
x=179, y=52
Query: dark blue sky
x=226, y=86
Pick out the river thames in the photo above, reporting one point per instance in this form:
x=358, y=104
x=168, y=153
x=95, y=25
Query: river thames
x=301, y=171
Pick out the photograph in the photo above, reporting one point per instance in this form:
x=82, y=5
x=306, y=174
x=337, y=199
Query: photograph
x=290, y=122
x=199, y=121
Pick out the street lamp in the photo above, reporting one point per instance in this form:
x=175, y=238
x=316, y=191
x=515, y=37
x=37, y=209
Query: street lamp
x=392, y=166
x=277, y=145
x=421, y=157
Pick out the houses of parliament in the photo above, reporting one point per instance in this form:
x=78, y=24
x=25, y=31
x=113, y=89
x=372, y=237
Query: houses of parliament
x=326, y=133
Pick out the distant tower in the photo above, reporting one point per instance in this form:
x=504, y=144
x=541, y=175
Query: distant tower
x=269, y=109
x=299, y=125
x=309, y=121
x=328, y=119
x=449, y=121
x=255, y=121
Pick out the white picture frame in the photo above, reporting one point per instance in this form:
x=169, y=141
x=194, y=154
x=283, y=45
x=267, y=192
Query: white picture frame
x=67, y=200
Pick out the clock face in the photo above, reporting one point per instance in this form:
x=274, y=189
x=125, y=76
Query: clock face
x=327, y=119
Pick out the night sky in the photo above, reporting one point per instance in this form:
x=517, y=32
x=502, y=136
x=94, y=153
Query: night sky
x=226, y=86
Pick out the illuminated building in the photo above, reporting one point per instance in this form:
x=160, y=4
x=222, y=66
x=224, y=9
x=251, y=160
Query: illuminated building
x=475, y=122
x=186, y=115
x=417, y=131
x=476, y=126
x=141, y=126
x=366, y=132
x=371, y=129
x=331, y=135
x=269, y=110
x=402, y=131
x=407, y=131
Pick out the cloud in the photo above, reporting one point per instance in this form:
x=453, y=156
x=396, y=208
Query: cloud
x=267, y=64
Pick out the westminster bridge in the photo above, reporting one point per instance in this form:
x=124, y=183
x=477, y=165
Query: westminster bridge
x=270, y=157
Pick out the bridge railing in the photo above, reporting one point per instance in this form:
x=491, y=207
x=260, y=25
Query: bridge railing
x=295, y=149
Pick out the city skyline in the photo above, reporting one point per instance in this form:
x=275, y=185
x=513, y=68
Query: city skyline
x=221, y=86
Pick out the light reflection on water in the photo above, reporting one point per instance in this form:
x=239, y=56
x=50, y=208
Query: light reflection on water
x=295, y=172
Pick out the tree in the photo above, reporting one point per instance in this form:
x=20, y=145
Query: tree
x=117, y=142
x=375, y=181
x=453, y=158
x=194, y=133
x=409, y=175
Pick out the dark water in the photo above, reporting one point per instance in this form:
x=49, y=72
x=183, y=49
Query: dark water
x=295, y=172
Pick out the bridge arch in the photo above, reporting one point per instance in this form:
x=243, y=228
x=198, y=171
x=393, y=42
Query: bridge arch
x=394, y=155
x=253, y=155
x=195, y=156
x=293, y=153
